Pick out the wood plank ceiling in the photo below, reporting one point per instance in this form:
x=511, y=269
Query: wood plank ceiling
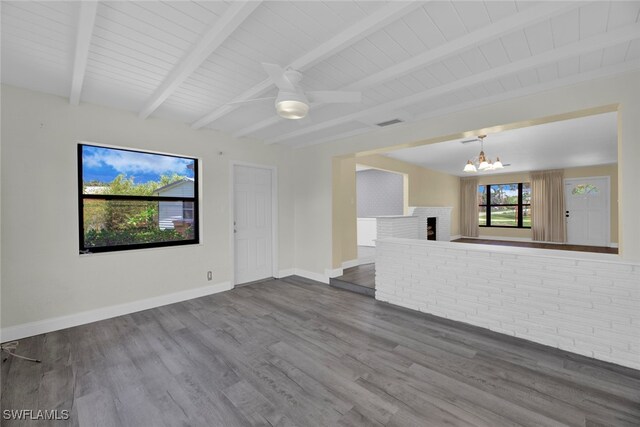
x=186, y=61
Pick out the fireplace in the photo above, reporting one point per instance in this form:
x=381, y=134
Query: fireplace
x=431, y=228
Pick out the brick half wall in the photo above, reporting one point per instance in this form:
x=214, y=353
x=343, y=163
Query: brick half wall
x=580, y=302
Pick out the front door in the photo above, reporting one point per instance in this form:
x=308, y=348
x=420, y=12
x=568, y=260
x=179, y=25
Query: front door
x=587, y=211
x=252, y=223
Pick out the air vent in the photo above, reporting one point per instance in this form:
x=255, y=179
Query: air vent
x=389, y=123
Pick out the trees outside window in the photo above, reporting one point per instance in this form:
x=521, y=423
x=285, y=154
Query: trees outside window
x=505, y=205
x=132, y=200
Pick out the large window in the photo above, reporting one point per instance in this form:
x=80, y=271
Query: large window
x=505, y=205
x=132, y=200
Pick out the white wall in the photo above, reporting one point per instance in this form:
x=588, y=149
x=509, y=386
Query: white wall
x=313, y=170
x=43, y=276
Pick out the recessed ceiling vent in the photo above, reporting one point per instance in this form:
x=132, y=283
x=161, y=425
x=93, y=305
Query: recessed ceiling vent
x=389, y=123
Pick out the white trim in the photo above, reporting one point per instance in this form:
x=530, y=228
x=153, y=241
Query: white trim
x=351, y=263
x=508, y=239
x=86, y=21
x=54, y=324
x=366, y=260
x=350, y=35
x=333, y=272
x=613, y=245
x=312, y=276
x=285, y=273
x=485, y=34
x=274, y=215
x=586, y=45
x=208, y=43
x=456, y=237
x=608, y=198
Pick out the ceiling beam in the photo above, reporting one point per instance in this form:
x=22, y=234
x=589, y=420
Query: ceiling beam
x=86, y=21
x=589, y=44
x=363, y=28
x=598, y=73
x=231, y=19
x=498, y=29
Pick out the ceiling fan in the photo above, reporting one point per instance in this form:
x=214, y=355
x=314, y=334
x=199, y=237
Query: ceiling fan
x=292, y=102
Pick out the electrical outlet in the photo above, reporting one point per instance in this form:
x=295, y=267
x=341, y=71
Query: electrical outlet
x=209, y=275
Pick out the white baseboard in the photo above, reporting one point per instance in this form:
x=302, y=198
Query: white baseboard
x=508, y=239
x=30, y=329
x=333, y=272
x=350, y=263
x=368, y=260
x=312, y=276
x=613, y=245
x=456, y=237
x=286, y=272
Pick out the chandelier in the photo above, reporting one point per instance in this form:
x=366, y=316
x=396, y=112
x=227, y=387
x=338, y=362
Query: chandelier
x=482, y=163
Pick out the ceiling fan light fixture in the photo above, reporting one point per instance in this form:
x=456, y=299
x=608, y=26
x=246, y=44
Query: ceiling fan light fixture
x=498, y=164
x=292, y=109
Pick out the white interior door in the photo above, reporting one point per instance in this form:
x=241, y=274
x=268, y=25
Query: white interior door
x=252, y=223
x=587, y=213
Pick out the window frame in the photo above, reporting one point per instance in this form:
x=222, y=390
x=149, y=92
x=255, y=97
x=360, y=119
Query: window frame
x=115, y=248
x=519, y=206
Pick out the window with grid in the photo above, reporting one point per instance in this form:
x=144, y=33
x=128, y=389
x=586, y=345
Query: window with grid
x=505, y=205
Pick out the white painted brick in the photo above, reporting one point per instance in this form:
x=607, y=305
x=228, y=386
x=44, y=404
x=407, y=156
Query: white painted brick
x=498, y=299
x=517, y=278
x=606, y=266
x=621, y=358
x=592, y=339
x=616, y=276
x=513, y=327
x=545, y=274
x=621, y=312
x=536, y=326
x=622, y=339
x=596, y=283
x=509, y=310
x=503, y=330
x=589, y=348
x=623, y=328
x=515, y=292
x=611, y=290
x=626, y=302
x=568, y=303
x=482, y=321
x=537, y=290
x=574, y=327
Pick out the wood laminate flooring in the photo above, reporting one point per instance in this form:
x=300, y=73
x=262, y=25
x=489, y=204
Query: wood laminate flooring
x=360, y=279
x=292, y=352
x=559, y=247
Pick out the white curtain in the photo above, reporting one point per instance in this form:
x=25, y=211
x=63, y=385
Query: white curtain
x=469, y=207
x=547, y=206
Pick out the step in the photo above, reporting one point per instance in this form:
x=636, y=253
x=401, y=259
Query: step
x=352, y=287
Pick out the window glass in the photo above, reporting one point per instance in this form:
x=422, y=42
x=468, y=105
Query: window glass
x=482, y=215
x=132, y=199
x=482, y=195
x=505, y=205
x=505, y=216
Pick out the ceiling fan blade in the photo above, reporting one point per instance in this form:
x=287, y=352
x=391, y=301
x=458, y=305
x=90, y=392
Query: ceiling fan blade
x=253, y=101
x=334, y=96
x=277, y=75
